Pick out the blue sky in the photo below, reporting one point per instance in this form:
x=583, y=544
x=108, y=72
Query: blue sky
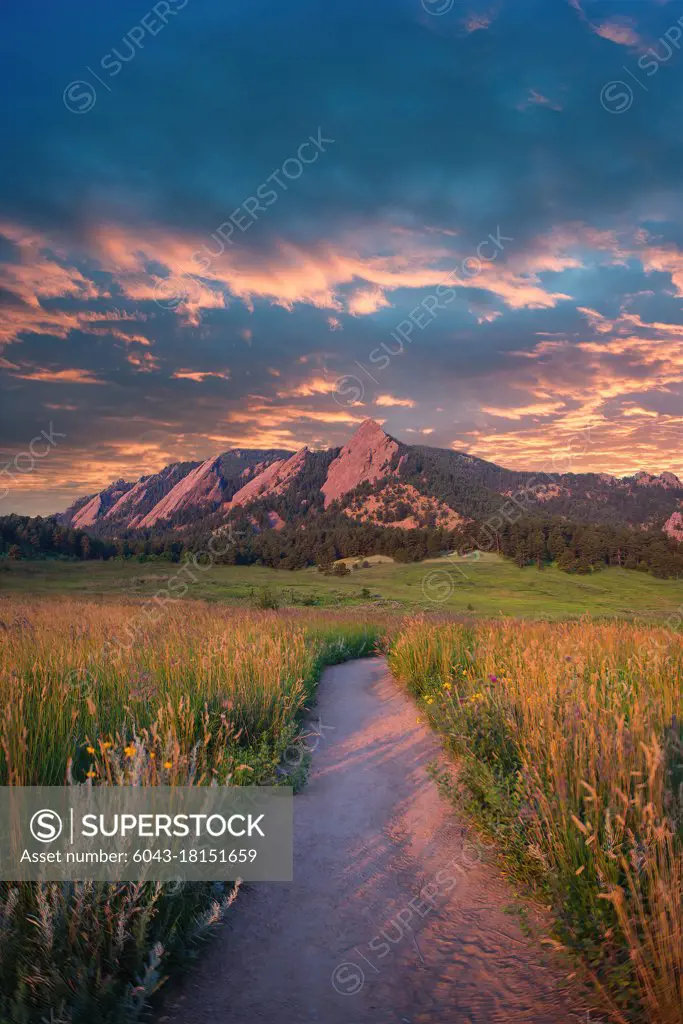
x=227, y=223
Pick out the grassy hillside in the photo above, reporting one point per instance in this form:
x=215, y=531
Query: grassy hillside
x=488, y=587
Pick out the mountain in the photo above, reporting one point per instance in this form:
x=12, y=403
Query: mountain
x=172, y=496
x=367, y=457
x=375, y=479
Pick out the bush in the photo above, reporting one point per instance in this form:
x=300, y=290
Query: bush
x=266, y=600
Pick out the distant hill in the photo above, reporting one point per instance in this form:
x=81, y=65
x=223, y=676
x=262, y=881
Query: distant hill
x=374, y=479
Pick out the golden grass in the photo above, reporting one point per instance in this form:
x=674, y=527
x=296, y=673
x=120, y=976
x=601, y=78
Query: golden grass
x=108, y=694
x=571, y=742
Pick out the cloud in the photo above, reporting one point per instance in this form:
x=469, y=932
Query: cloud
x=580, y=310
x=311, y=386
x=391, y=400
x=71, y=376
x=618, y=30
x=201, y=375
x=366, y=301
x=143, y=362
x=534, y=410
x=477, y=22
x=537, y=99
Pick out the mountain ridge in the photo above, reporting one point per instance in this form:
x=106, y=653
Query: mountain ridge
x=373, y=477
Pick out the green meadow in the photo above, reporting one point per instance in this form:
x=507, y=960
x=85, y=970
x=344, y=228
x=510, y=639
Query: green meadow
x=488, y=587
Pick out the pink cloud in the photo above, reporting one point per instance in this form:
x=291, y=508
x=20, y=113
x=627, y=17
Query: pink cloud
x=618, y=30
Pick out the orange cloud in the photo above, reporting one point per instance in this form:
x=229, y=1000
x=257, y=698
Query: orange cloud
x=319, y=276
x=390, y=400
x=73, y=376
x=39, y=276
x=291, y=274
x=264, y=414
x=144, y=362
x=312, y=386
x=200, y=375
x=596, y=408
x=539, y=409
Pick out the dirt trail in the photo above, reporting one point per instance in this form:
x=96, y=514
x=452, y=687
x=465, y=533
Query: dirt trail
x=351, y=941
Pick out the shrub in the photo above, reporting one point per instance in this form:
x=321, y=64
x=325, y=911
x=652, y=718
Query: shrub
x=266, y=600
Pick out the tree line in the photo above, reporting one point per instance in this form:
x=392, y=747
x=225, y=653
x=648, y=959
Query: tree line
x=329, y=536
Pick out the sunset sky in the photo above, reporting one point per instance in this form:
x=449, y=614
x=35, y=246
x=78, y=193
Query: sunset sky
x=256, y=223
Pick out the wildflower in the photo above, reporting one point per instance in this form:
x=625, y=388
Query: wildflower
x=168, y=764
x=129, y=751
x=494, y=679
x=106, y=745
x=91, y=750
x=90, y=775
x=429, y=700
x=153, y=755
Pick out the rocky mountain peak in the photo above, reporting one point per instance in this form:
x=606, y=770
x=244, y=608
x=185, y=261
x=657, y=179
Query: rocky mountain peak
x=366, y=456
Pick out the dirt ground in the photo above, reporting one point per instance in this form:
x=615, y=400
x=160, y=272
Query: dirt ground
x=394, y=915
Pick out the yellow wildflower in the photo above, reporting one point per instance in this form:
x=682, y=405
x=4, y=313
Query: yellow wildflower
x=168, y=764
x=129, y=751
x=91, y=750
x=152, y=755
x=90, y=775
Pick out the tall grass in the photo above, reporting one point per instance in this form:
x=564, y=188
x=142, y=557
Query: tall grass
x=571, y=751
x=97, y=693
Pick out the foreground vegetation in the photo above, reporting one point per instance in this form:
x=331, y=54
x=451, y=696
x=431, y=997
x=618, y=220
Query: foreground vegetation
x=489, y=586
x=204, y=694
x=570, y=743
x=568, y=737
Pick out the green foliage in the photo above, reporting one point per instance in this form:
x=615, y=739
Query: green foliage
x=490, y=584
x=266, y=600
x=586, y=547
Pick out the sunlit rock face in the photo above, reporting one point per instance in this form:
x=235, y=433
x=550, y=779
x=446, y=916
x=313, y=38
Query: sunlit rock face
x=365, y=457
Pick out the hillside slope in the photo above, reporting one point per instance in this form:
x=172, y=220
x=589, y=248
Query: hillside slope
x=372, y=478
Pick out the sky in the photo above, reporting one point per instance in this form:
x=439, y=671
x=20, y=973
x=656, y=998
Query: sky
x=250, y=223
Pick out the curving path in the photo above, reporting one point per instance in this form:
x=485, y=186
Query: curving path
x=392, y=917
